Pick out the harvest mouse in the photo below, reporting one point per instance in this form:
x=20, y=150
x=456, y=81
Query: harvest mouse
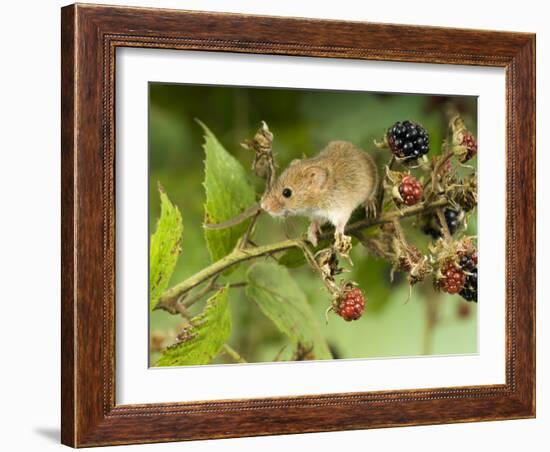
x=327, y=187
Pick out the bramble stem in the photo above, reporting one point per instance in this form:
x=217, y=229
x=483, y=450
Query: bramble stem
x=381, y=191
x=399, y=231
x=235, y=257
x=178, y=308
x=239, y=255
x=437, y=167
x=247, y=235
x=444, y=225
x=390, y=217
x=191, y=301
x=331, y=288
x=233, y=354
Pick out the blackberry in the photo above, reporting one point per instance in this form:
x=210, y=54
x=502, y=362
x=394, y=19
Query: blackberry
x=469, y=141
x=464, y=142
x=453, y=278
x=469, y=264
x=410, y=260
x=453, y=218
x=351, y=305
x=408, y=141
x=410, y=190
x=471, y=144
x=469, y=291
x=432, y=227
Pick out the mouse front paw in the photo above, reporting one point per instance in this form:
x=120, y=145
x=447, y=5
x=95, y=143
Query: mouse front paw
x=312, y=232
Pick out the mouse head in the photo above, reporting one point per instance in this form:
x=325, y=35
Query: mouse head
x=297, y=191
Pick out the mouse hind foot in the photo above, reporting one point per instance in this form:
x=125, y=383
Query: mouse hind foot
x=342, y=245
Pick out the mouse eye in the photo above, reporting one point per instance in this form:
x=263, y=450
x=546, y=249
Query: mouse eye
x=287, y=192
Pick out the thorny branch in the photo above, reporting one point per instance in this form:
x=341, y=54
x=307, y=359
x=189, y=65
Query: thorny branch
x=440, y=191
x=176, y=307
x=444, y=226
x=442, y=160
x=238, y=255
x=230, y=351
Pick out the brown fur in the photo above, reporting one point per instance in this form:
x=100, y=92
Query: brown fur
x=340, y=178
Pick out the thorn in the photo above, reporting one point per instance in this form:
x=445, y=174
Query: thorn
x=326, y=314
x=410, y=294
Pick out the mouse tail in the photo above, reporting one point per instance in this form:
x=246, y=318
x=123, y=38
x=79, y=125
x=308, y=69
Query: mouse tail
x=246, y=214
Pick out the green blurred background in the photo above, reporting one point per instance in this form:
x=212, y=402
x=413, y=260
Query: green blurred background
x=303, y=122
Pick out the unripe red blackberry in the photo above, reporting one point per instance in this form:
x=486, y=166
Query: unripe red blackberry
x=464, y=142
x=470, y=143
x=453, y=278
x=469, y=264
x=408, y=141
x=351, y=305
x=410, y=190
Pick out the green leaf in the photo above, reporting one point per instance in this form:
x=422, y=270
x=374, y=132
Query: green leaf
x=293, y=258
x=281, y=299
x=228, y=193
x=203, y=340
x=165, y=248
x=374, y=273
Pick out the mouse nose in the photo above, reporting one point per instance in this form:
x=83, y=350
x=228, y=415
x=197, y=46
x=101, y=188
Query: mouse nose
x=263, y=203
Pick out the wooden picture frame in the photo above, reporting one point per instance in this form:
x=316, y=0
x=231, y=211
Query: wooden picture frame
x=90, y=36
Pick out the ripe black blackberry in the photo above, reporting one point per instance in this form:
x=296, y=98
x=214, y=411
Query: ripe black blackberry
x=453, y=218
x=432, y=227
x=408, y=141
x=469, y=264
x=469, y=291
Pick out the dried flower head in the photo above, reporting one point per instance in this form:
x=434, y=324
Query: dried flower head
x=447, y=256
x=262, y=143
x=463, y=193
x=464, y=142
x=328, y=262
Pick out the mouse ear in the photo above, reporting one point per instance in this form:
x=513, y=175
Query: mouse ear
x=316, y=177
x=294, y=162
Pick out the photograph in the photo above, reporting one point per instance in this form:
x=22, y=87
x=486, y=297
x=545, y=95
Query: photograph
x=291, y=224
x=272, y=223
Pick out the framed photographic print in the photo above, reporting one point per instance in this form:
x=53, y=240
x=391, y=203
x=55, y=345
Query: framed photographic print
x=282, y=225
